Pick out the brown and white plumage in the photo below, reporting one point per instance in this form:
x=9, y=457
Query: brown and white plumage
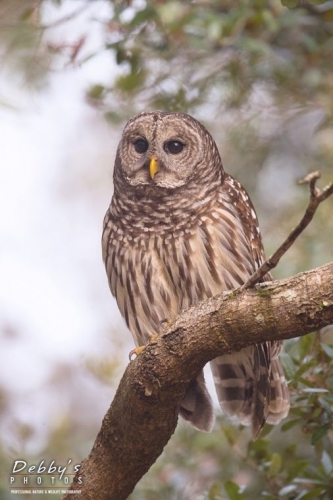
x=180, y=230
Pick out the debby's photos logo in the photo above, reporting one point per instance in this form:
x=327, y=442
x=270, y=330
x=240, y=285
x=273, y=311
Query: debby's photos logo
x=43, y=478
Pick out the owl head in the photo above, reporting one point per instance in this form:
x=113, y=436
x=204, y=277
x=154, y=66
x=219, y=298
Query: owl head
x=166, y=151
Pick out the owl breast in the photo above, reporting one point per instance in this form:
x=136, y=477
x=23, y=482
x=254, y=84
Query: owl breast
x=155, y=275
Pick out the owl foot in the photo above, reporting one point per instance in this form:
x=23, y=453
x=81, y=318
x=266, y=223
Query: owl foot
x=166, y=321
x=136, y=351
x=141, y=348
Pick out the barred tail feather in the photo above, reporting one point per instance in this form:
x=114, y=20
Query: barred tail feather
x=197, y=406
x=261, y=393
x=279, y=401
x=234, y=384
x=251, y=387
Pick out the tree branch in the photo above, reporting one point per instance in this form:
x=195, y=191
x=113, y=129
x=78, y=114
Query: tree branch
x=316, y=197
x=144, y=412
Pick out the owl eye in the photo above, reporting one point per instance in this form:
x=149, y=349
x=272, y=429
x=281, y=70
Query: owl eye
x=174, y=147
x=141, y=146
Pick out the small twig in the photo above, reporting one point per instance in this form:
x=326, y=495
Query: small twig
x=316, y=197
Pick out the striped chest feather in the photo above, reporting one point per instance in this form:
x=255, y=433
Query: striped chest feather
x=156, y=275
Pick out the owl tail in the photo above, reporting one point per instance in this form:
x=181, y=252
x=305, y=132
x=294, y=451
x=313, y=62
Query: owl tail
x=279, y=403
x=251, y=387
x=197, y=406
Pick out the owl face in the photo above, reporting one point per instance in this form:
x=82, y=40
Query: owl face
x=163, y=149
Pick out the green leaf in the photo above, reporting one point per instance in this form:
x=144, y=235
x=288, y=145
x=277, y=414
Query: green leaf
x=260, y=448
x=318, y=434
x=171, y=12
x=314, y=389
x=128, y=83
x=96, y=91
x=113, y=117
x=291, y=4
x=327, y=349
x=230, y=434
x=275, y=465
x=312, y=495
x=305, y=345
x=215, y=492
x=306, y=382
x=325, y=405
x=287, y=489
x=121, y=55
x=288, y=365
x=143, y=16
x=298, y=467
x=304, y=368
x=233, y=491
x=327, y=463
x=288, y=425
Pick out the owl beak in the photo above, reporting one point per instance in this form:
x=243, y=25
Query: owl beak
x=153, y=166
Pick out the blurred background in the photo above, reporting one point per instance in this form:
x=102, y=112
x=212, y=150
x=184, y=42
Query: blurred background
x=259, y=75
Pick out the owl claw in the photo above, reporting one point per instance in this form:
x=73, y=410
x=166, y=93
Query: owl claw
x=153, y=338
x=136, y=351
x=167, y=321
x=141, y=348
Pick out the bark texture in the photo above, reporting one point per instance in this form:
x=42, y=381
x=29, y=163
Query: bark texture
x=144, y=412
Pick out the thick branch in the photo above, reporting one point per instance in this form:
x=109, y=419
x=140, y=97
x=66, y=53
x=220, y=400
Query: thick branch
x=316, y=197
x=144, y=412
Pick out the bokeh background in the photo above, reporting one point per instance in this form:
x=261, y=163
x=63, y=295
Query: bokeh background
x=259, y=75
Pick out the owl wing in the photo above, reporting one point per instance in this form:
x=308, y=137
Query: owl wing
x=250, y=384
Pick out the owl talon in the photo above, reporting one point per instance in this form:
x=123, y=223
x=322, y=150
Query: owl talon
x=141, y=348
x=136, y=351
x=166, y=321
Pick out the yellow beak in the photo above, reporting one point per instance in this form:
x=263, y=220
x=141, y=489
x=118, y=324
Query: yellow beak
x=153, y=167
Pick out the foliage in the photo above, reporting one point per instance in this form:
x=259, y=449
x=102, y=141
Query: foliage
x=219, y=55
x=20, y=43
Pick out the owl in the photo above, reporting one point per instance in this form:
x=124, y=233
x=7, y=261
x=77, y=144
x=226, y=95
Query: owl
x=179, y=230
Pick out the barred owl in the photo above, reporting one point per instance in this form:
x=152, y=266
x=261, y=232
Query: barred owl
x=180, y=230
